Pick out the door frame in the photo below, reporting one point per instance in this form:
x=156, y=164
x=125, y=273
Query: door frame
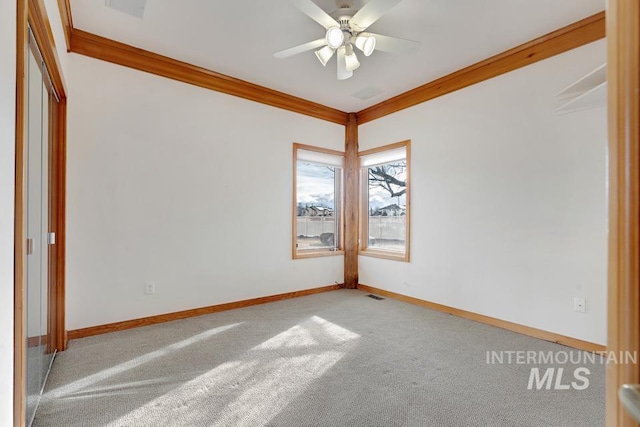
x=623, y=76
x=32, y=13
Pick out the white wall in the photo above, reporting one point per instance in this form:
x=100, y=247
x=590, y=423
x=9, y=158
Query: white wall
x=166, y=182
x=509, y=204
x=7, y=158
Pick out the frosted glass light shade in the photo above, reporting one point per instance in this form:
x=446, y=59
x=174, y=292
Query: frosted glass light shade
x=334, y=37
x=367, y=44
x=351, y=59
x=343, y=73
x=324, y=54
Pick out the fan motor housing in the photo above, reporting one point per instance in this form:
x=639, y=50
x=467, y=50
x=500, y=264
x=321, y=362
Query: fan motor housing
x=343, y=13
x=343, y=16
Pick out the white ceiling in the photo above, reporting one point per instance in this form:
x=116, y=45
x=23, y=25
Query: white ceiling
x=238, y=37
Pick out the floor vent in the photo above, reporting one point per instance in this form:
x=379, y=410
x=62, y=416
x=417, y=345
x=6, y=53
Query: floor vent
x=376, y=297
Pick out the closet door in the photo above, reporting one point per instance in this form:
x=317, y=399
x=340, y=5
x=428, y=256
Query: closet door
x=39, y=238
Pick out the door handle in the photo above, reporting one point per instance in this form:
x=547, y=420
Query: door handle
x=630, y=396
x=29, y=246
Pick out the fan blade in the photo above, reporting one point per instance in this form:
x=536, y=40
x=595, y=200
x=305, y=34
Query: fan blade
x=371, y=12
x=393, y=44
x=300, y=48
x=343, y=73
x=314, y=12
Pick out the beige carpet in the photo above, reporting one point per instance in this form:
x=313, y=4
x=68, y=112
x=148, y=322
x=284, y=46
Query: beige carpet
x=333, y=359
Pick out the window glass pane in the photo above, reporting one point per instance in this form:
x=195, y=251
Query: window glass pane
x=317, y=202
x=387, y=206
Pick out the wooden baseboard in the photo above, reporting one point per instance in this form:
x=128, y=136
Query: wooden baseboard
x=514, y=327
x=161, y=318
x=37, y=341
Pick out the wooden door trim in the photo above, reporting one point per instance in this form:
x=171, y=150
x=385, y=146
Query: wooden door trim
x=623, y=69
x=39, y=22
x=33, y=13
x=19, y=273
x=60, y=196
x=41, y=28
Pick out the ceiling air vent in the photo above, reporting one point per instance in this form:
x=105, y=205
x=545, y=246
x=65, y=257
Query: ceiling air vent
x=130, y=7
x=367, y=93
x=375, y=297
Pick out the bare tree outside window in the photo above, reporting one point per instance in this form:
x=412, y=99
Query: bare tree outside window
x=389, y=177
x=387, y=187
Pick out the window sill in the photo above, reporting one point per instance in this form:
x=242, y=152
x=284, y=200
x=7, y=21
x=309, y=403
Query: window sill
x=394, y=256
x=318, y=254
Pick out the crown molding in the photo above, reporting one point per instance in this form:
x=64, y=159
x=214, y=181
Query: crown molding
x=564, y=39
x=98, y=47
x=85, y=43
x=570, y=37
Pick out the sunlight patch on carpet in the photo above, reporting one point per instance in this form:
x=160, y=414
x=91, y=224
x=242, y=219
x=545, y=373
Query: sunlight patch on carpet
x=252, y=390
x=134, y=363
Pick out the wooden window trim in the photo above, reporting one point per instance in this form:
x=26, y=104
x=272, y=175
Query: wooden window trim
x=363, y=249
x=294, y=208
x=318, y=254
x=382, y=254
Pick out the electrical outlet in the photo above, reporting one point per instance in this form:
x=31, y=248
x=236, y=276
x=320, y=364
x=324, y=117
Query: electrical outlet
x=579, y=305
x=149, y=288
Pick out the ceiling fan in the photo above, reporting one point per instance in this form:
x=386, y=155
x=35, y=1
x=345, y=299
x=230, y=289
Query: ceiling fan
x=345, y=28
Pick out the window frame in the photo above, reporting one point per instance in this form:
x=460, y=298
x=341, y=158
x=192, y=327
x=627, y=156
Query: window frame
x=338, y=213
x=363, y=248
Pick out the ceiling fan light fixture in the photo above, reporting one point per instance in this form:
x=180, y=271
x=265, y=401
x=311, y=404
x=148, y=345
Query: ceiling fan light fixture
x=324, y=54
x=351, y=60
x=344, y=29
x=367, y=44
x=334, y=37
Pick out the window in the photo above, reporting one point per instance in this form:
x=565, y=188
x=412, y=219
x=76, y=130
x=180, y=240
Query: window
x=317, y=204
x=385, y=201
